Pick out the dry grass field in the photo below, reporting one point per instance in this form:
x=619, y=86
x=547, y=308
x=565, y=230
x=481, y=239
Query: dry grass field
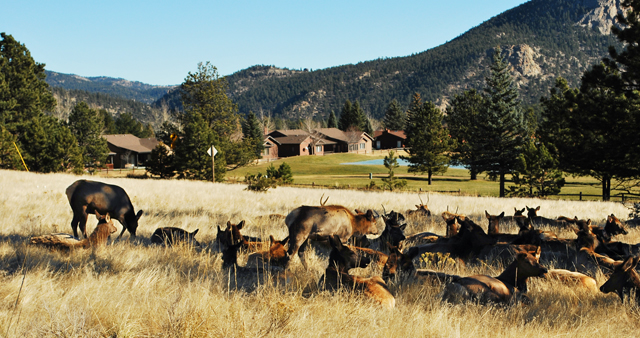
x=136, y=289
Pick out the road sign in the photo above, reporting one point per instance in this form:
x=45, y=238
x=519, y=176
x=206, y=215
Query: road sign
x=215, y=151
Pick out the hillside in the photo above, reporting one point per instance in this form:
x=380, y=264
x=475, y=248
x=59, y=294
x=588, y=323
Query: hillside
x=132, y=90
x=543, y=39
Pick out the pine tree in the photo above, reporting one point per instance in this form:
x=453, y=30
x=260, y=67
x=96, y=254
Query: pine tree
x=333, y=121
x=349, y=117
x=537, y=173
x=391, y=181
x=161, y=162
x=427, y=141
x=86, y=125
x=394, y=117
x=252, y=130
x=502, y=126
x=463, y=122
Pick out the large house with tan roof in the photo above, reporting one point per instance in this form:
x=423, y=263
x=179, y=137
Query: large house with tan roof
x=298, y=142
x=126, y=150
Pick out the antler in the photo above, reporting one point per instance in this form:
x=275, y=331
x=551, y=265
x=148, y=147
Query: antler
x=383, y=209
x=420, y=199
x=325, y=201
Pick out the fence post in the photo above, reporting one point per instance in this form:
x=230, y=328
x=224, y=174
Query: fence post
x=581, y=195
x=622, y=198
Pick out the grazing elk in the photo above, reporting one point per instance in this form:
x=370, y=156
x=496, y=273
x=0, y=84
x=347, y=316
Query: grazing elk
x=509, y=284
x=87, y=197
x=170, y=236
x=341, y=259
x=67, y=242
x=324, y=221
x=624, y=279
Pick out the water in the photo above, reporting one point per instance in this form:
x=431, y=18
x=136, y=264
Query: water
x=401, y=162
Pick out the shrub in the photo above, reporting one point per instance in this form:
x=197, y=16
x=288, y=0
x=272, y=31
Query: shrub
x=260, y=182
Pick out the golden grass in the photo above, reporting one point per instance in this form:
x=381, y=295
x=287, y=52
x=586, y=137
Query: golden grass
x=135, y=289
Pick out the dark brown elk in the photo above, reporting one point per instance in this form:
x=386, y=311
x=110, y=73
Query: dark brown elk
x=494, y=228
x=336, y=276
x=87, y=197
x=231, y=236
x=516, y=215
x=420, y=211
x=536, y=220
x=170, y=236
x=509, y=284
x=624, y=279
x=67, y=242
x=376, y=258
x=397, y=263
x=323, y=222
x=393, y=233
x=612, y=227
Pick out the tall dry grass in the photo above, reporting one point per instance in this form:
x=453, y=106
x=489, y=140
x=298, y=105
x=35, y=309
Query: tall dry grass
x=135, y=289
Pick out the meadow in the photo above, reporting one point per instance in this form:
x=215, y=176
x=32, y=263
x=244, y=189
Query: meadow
x=131, y=288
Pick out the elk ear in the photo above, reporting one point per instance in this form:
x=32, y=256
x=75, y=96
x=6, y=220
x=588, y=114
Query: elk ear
x=628, y=263
x=487, y=214
x=402, y=227
x=228, y=224
x=370, y=215
x=98, y=216
x=107, y=218
x=538, y=208
x=219, y=230
x=285, y=240
x=271, y=239
x=589, y=222
x=240, y=225
x=139, y=214
x=501, y=215
x=195, y=232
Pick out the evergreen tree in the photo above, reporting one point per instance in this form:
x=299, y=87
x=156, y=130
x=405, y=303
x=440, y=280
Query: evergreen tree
x=51, y=147
x=86, y=125
x=109, y=122
x=127, y=124
x=462, y=119
x=191, y=158
x=537, y=173
x=502, y=126
x=349, y=117
x=252, y=130
x=333, y=121
x=391, y=181
x=427, y=141
x=161, y=162
x=394, y=117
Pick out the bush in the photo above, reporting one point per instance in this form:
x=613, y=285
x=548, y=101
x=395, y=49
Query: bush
x=260, y=182
x=283, y=174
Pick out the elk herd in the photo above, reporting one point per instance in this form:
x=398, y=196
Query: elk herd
x=352, y=241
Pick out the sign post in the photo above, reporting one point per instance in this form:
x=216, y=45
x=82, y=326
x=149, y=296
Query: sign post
x=212, y=152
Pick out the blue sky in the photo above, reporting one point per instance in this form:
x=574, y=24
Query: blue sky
x=159, y=42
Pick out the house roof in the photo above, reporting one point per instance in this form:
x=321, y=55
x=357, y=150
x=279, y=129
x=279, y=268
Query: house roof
x=398, y=133
x=328, y=136
x=295, y=139
x=132, y=143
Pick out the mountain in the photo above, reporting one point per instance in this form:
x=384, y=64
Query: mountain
x=132, y=90
x=542, y=39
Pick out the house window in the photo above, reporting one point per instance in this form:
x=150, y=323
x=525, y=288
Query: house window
x=266, y=151
x=362, y=145
x=318, y=149
x=399, y=144
x=378, y=144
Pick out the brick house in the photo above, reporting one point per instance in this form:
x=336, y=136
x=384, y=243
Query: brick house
x=389, y=139
x=297, y=142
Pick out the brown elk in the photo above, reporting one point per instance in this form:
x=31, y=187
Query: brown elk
x=66, y=242
x=86, y=197
x=393, y=233
x=325, y=221
x=612, y=227
x=341, y=259
x=275, y=256
x=516, y=215
x=624, y=279
x=170, y=236
x=452, y=226
x=573, y=278
x=421, y=210
x=494, y=228
x=509, y=284
x=397, y=263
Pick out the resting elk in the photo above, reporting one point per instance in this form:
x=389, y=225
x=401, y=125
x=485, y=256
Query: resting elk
x=170, y=236
x=509, y=284
x=87, y=197
x=66, y=242
x=324, y=221
x=420, y=211
x=341, y=260
x=532, y=213
x=624, y=279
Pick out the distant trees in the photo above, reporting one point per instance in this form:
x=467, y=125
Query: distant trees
x=391, y=182
x=333, y=121
x=353, y=117
x=252, y=131
x=502, y=129
x=427, y=140
x=394, y=117
x=87, y=125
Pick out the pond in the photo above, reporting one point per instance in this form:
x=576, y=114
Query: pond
x=401, y=162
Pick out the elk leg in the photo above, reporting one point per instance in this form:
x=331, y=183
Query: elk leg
x=83, y=222
x=302, y=254
x=74, y=224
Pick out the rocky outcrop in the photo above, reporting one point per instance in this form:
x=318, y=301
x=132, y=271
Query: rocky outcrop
x=602, y=15
x=523, y=60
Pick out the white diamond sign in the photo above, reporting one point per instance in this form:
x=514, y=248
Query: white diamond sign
x=215, y=151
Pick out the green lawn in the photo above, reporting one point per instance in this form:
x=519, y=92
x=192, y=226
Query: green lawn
x=329, y=172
